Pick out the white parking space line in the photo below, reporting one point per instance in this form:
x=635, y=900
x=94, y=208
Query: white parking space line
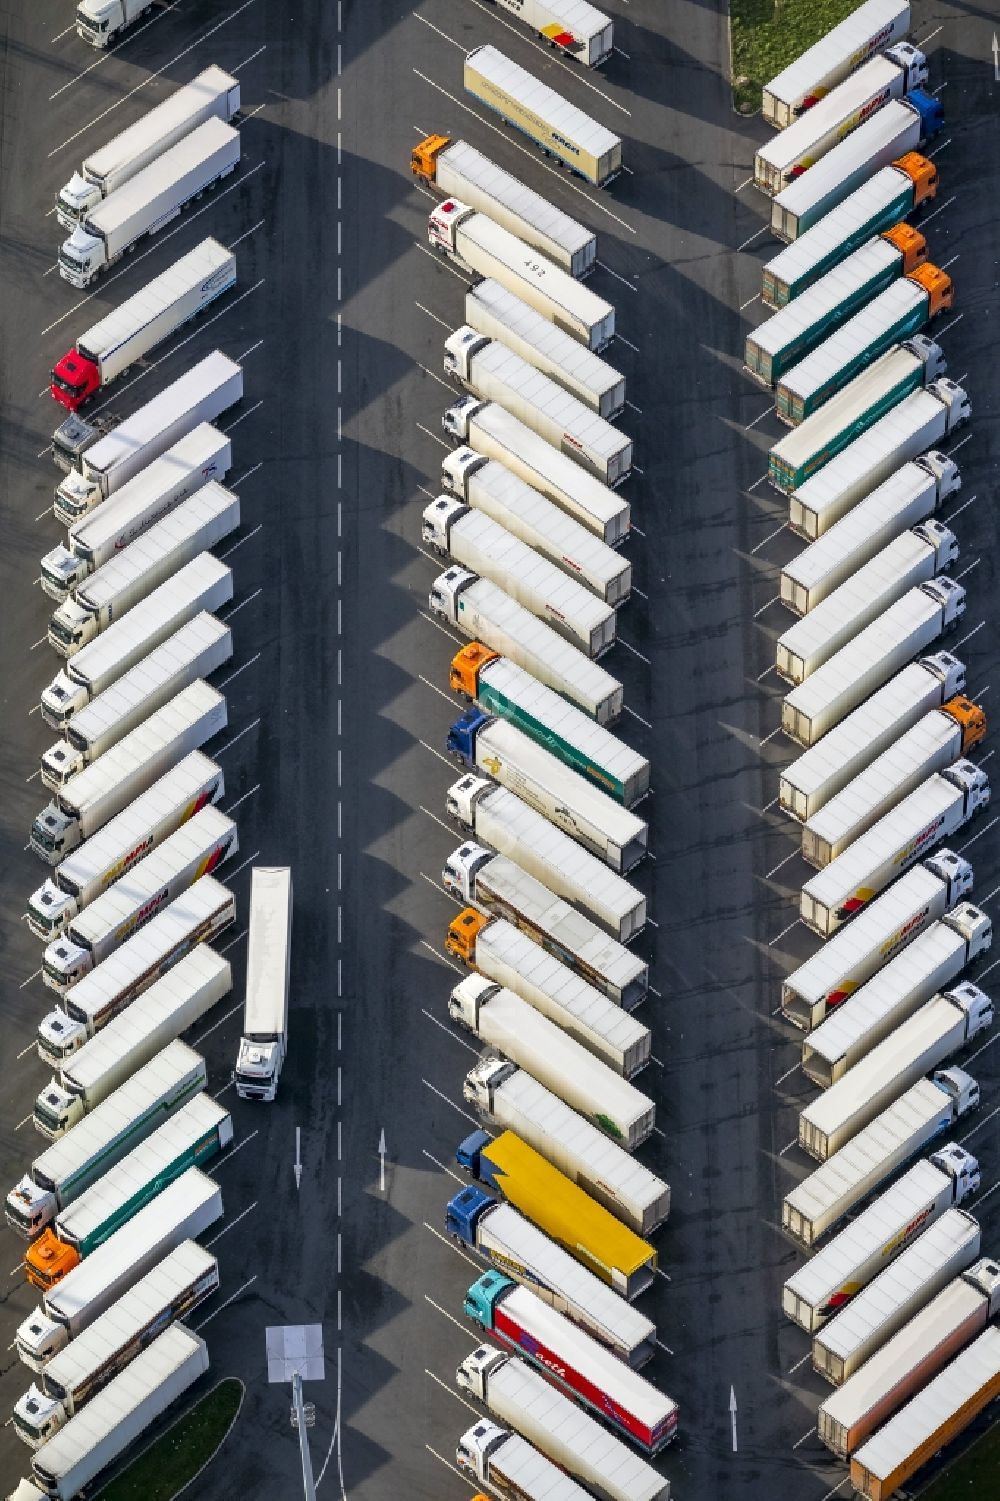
x=434, y=1090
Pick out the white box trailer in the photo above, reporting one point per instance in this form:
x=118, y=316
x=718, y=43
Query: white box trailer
x=201, y=455
x=154, y=197
x=927, y=1110
x=913, y=558
x=510, y=1466
x=908, y=1360
x=106, y=787
x=860, y=667
x=494, y=372
x=583, y=145
x=905, y=499
x=934, y=811
x=130, y=1113
x=498, y=434
x=934, y=743
x=945, y=1024
x=843, y=753
x=458, y=170
x=915, y=424
x=477, y=542
x=265, y=1010
x=925, y=968
x=949, y=1247
x=609, y=831
x=485, y=613
x=184, y=1209
x=517, y=1394
x=171, y=1291
x=509, y=825
x=818, y=129
x=203, y=584
x=197, y=848
x=872, y=27
x=99, y=464
x=496, y=313
x=500, y=888
x=83, y=875
x=509, y=958
x=213, y=93
x=481, y=247
x=172, y=1003
x=504, y=1021
x=198, y=915
x=837, y=1273
x=195, y=651
x=572, y=26
x=547, y=529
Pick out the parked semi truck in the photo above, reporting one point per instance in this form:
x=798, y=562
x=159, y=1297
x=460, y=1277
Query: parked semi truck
x=186, y=1208
x=201, y=455
x=933, y=744
x=497, y=314
x=914, y=425
x=86, y=802
x=485, y=613
x=171, y=1291
x=915, y=363
x=927, y=1110
x=494, y=372
x=508, y=1097
x=196, y=849
x=163, y=306
x=934, y=811
x=500, y=888
x=578, y=30
x=154, y=197
x=906, y=499
x=856, y=1254
x=264, y=1042
x=875, y=25
x=212, y=94
x=476, y=542
x=459, y=171
x=929, y=1421
x=892, y=921
x=844, y=751
x=100, y=21
x=792, y=333
x=588, y=149
x=191, y=1137
x=131, y=1112
x=199, y=522
x=923, y=971
x=854, y=672
x=83, y=875
x=576, y=1363
x=502, y=954
x=519, y=1248
x=498, y=686
x=505, y=1022
x=520, y=1396
x=482, y=247
x=510, y=1466
x=171, y=1005
x=913, y=558
x=908, y=1360
x=508, y=499
x=494, y=745
x=99, y=463
x=817, y=130
x=897, y=1293
x=196, y=916
x=193, y=652
x=885, y=200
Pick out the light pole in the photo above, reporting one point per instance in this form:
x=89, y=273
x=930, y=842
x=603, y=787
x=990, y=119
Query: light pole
x=295, y=1354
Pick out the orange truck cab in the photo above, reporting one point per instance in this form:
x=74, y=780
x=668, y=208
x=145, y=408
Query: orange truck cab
x=922, y=173
x=971, y=718
x=48, y=1259
x=937, y=284
x=463, y=931
x=423, y=157
x=909, y=242
x=466, y=665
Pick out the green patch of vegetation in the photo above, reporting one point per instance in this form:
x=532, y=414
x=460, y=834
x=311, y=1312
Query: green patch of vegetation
x=175, y=1458
x=975, y=1474
x=769, y=34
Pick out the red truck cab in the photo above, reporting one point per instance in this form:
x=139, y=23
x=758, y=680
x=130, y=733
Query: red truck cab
x=74, y=380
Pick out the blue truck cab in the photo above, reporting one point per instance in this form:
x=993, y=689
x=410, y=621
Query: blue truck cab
x=461, y=742
x=463, y=1213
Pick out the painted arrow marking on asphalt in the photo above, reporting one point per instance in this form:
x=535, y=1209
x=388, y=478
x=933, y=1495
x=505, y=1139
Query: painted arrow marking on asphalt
x=732, y=1415
x=381, y=1161
x=297, y=1165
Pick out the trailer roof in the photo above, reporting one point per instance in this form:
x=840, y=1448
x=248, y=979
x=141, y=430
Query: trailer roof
x=188, y=392
x=205, y=505
x=822, y=239
x=522, y=200
x=173, y=165
x=854, y=32
x=159, y=122
x=824, y=426
x=575, y=358
x=905, y=421
x=878, y=135
x=206, y=260
x=851, y=531
x=269, y=951
x=196, y=450
x=602, y=502
x=558, y=285
x=536, y=96
x=579, y=422
x=784, y=149
x=873, y=322
x=565, y=596
x=819, y=301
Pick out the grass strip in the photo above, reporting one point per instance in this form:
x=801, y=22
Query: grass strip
x=769, y=34
x=174, y=1459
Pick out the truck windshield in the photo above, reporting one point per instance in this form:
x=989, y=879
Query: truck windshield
x=97, y=27
x=61, y=630
x=70, y=262
x=67, y=386
x=41, y=837
x=28, y=1429
x=47, y=1117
